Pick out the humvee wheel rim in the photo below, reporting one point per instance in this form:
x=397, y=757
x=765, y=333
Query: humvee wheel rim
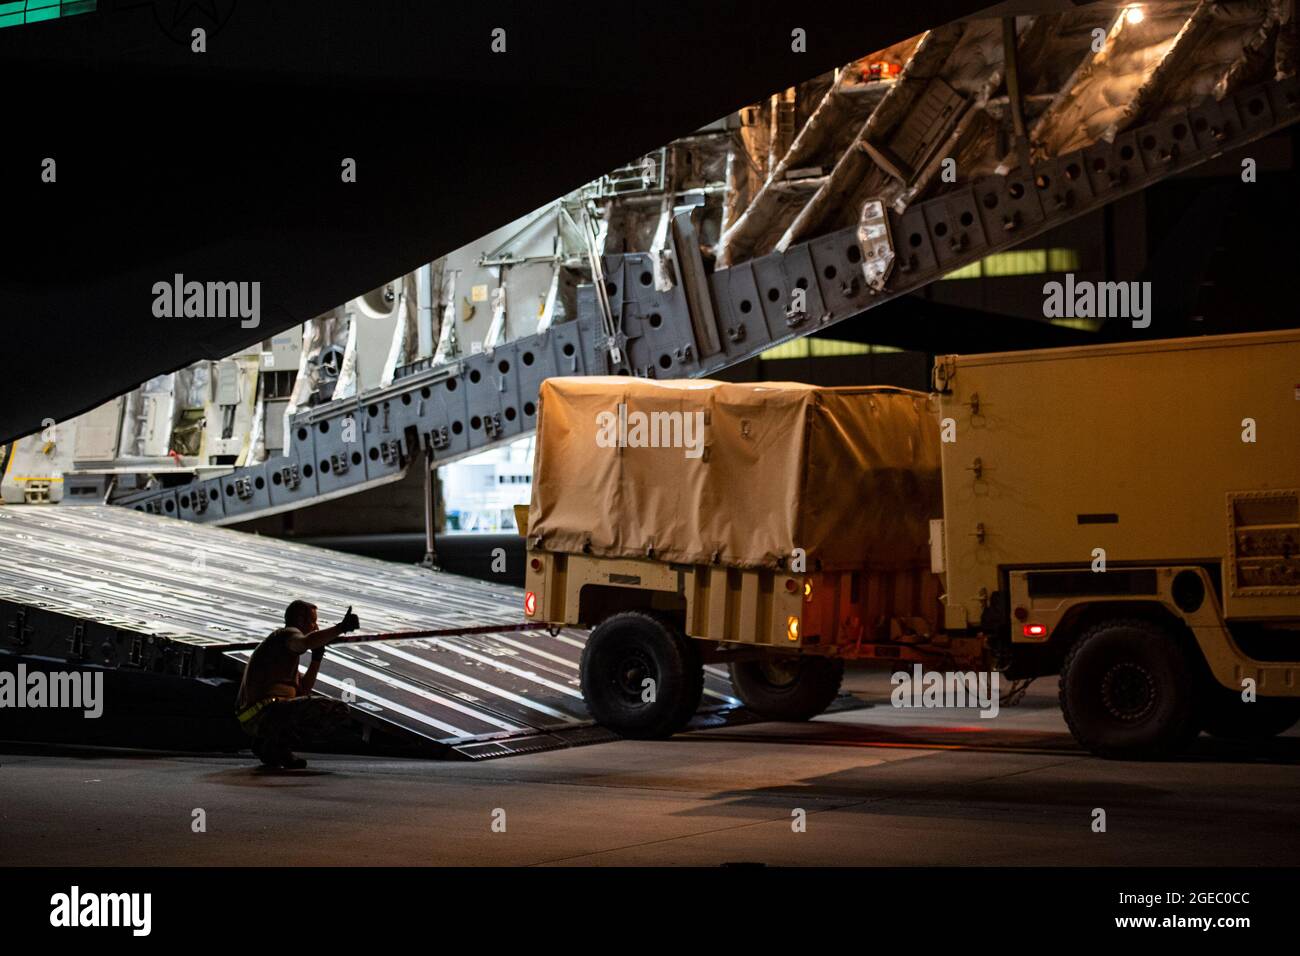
x=1128, y=691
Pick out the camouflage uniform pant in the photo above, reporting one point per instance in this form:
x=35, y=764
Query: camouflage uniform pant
x=286, y=724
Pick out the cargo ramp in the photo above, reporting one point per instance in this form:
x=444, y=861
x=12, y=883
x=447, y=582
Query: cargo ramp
x=112, y=589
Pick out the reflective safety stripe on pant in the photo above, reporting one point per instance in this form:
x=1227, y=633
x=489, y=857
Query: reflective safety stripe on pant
x=250, y=713
x=297, y=721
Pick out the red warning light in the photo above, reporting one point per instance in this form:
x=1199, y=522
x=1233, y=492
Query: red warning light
x=530, y=603
x=1035, y=630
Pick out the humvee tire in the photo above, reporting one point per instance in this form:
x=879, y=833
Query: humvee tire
x=622, y=653
x=1224, y=714
x=787, y=687
x=1127, y=690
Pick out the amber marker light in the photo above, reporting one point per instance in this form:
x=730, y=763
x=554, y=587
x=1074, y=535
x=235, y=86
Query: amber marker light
x=792, y=628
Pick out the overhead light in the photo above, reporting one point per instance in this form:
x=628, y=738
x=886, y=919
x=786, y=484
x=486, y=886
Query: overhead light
x=1134, y=14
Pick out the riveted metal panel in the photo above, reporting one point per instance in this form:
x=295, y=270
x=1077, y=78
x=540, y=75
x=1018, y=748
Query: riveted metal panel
x=755, y=300
x=839, y=278
x=503, y=371
x=660, y=346
x=484, y=406
x=384, y=436
x=288, y=481
x=245, y=491
x=916, y=256
x=339, y=463
x=537, y=362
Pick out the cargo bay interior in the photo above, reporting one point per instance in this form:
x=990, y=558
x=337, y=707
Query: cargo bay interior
x=995, y=304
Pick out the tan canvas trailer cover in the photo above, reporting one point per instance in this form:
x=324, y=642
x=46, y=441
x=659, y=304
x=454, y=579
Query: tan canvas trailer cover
x=740, y=475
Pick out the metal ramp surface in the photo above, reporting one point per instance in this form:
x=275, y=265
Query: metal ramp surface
x=114, y=588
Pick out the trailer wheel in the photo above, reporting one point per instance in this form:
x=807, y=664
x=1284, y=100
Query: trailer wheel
x=1127, y=690
x=1224, y=714
x=622, y=654
x=786, y=687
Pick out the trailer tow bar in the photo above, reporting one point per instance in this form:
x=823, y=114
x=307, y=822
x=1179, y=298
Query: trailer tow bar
x=411, y=635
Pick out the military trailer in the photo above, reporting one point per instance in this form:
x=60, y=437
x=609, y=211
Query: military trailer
x=779, y=528
x=1122, y=515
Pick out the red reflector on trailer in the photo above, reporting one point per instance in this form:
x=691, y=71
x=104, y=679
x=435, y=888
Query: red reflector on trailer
x=1035, y=630
x=530, y=603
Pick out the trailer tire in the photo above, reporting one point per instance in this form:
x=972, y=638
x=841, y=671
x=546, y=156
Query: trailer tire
x=1224, y=714
x=1127, y=690
x=785, y=687
x=623, y=651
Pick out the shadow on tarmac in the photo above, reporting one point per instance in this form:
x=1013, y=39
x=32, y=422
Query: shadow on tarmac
x=980, y=739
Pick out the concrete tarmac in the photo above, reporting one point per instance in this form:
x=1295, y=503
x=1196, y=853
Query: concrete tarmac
x=875, y=786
